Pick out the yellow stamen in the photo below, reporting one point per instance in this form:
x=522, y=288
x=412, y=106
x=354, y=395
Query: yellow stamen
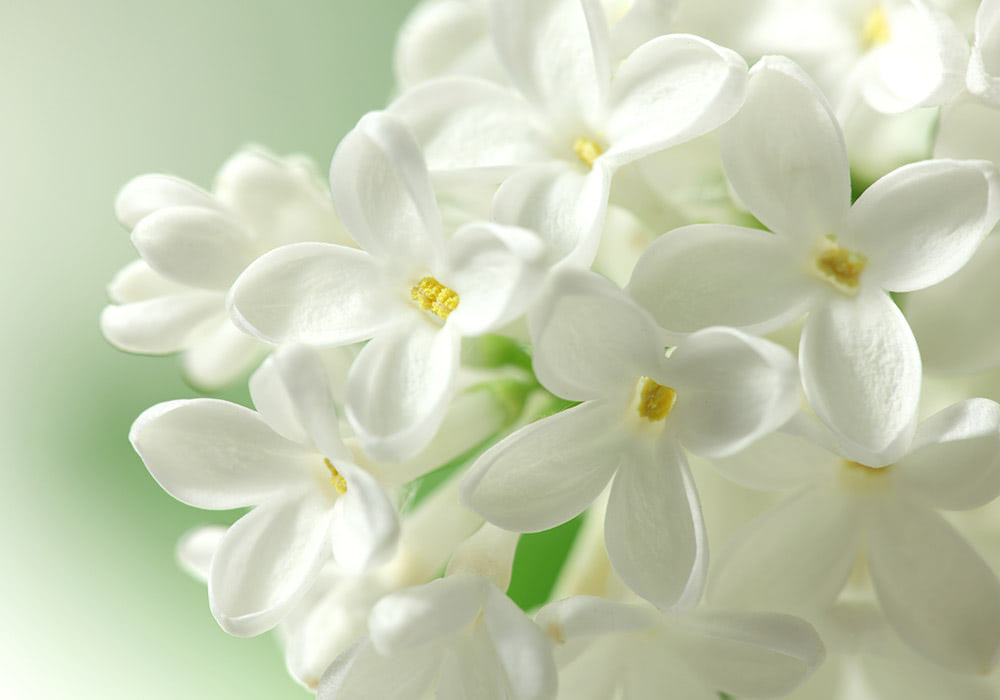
x=587, y=150
x=336, y=479
x=875, y=29
x=433, y=296
x=841, y=267
x=656, y=400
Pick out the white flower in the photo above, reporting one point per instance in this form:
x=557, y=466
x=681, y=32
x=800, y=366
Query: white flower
x=289, y=462
x=409, y=290
x=983, y=77
x=937, y=592
x=616, y=650
x=593, y=345
x=567, y=125
x=194, y=244
x=913, y=228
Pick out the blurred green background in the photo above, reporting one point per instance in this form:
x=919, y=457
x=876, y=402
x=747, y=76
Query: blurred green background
x=94, y=93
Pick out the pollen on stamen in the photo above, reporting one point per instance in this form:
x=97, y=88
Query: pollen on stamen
x=587, y=150
x=656, y=401
x=431, y=295
x=841, y=267
x=338, y=481
x=875, y=29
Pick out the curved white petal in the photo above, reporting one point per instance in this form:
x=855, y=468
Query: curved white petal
x=267, y=561
x=160, y=325
x=196, y=548
x=861, y=369
x=785, y=155
x=557, y=53
x=496, y=271
x=314, y=293
x=653, y=529
x=793, y=557
x=779, y=461
x=399, y=386
x=919, y=224
x=732, y=389
x=470, y=128
x=955, y=459
x=215, y=454
x=954, y=321
x=983, y=76
x=137, y=281
x=143, y=195
x=383, y=193
x=362, y=673
x=434, y=611
x=524, y=652
x=937, y=593
x=547, y=472
x=591, y=341
x=717, y=275
x=270, y=397
x=219, y=354
x=672, y=89
x=563, y=206
x=582, y=616
x=968, y=130
x=469, y=669
x=748, y=654
x=651, y=667
x=365, y=526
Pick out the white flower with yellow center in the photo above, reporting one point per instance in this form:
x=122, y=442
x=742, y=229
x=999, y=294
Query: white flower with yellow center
x=566, y=124
x=193, y=246
x=718, y=391
x=937, y=593
x=915, y=227
x=288, y=462
x=607, y=649
x=413, y=293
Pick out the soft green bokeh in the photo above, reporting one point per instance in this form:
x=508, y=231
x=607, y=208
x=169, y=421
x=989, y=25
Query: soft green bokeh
x=91, y=94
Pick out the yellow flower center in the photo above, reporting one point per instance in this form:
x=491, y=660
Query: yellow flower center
x=587, y=150
x=840, y=267
x=433, y=296
x=656, y=401
x=336, y=479
x=875, y=28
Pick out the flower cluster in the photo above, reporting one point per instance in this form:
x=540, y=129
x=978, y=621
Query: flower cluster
x=567, y=272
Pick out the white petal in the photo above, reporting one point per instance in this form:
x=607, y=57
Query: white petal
x=591, y=341
x=746, y=654
x=583, y=616
x=785, y=155
x=547, y=472
x=434, y=611
x=196, y=548
x=861, y=369
x=919, y=224
x=215, y=454
x=563, y=206
x=362, y=673
x=195, y=246
x=266, y=563
x=717, y=275
x=968, y=130
x=779, y=461
x=146, y=194
x=955, y=459
x=281, y=200
x=496, y=271
x=793, y=557
x=469, y=669
x=272, y=401
x=556, y=52
x=471, y=128
x=366, y=525
x=399, y=386
x=670, y=90
x=488, y=552
x=137, y=281
x=653, y=529
x=731, y=388
x=524, y=652
x=937, y=593
x=220, y=354
x=314, y=293
x=652, y=667
x=382, y=191
x=162, y=324
x=983, y=77
x=953, y=321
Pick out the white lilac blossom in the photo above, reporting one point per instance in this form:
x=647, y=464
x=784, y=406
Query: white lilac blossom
x=607, y=649
x=193, y=244
x=912, y=229
x=716, y=392
x=413, y=293
x=936, y=591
